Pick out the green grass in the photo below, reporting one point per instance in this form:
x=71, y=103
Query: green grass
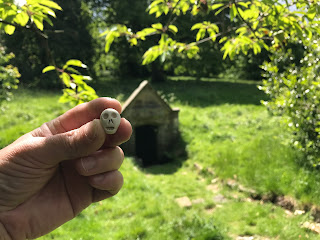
x=224, y=129
x=28, y=110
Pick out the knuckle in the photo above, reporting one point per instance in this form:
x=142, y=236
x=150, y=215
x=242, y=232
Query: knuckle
x=120, y=154
x=118, y=183
x=71, y=146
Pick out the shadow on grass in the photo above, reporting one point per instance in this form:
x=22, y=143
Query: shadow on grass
x=193, y=93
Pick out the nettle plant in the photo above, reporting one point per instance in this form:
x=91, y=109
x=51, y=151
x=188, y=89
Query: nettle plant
x=32, y=15
x=240, y=26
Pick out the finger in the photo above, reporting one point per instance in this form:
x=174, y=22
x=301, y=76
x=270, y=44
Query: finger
x=78, y=116
x=107, y=184
x=107, y=160
x=78, y=143
x=122, y=135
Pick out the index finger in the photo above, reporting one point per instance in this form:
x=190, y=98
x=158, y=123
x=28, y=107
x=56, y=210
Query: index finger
x=78, y=116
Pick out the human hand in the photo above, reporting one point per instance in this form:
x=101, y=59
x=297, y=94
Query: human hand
x=51, y=174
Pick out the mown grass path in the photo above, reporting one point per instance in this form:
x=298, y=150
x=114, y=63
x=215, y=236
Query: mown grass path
x=227, y=136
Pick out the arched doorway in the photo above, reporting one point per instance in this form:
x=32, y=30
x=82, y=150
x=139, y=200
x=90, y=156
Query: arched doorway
x=146, y=144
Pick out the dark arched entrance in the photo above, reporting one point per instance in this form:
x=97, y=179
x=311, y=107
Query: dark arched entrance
x=146, y=144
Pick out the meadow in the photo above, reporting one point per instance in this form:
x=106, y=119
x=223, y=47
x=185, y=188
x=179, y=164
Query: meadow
x=240, y=176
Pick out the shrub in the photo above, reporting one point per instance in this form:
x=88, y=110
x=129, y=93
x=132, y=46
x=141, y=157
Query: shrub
x=292, y=81
x=8, y=76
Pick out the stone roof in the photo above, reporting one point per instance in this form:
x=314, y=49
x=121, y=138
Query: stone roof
x=143, y=87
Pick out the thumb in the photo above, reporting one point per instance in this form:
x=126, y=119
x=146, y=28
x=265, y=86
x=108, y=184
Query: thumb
x=70, y=145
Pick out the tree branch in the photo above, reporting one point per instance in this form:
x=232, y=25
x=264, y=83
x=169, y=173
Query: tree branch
x=12, y=24
x=247, y=23
x=36, y=30
x=170, y=21
x=212, y=37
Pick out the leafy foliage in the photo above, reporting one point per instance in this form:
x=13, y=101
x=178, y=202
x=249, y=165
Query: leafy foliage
x=76, y=90
x=252, y=26
x=293, y=84
x=32, y=14
x=18, y=13
x=68, y=38
x=257, y=23
x=8, y=76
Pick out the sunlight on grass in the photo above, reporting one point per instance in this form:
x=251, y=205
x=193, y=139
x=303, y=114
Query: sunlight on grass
x=28, y=110
x=228, y=135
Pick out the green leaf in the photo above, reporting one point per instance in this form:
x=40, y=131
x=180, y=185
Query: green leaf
x=145, y=32
x=185, y=7
x=233, y=12
x=22, y=18
x=243, y=4
x=48, y=20
x=104, y=33
x=38, y=22
x=47, y=69
x=196, y=26
x=109, y=40
x=153, y=10
x=133, y=41
x=154, y=3
x=151, y=55
x=216, y=6
x=298, y=29
x=9, y=29
x=66, y=79
x=157, y=26
x=192, y=51
x=219, y=11
x=74, y=62
x=173, y=28
x=312, y=12
x=50, y=4
x=201, y=34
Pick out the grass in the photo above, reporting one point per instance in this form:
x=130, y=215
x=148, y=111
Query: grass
x=28, y=110
x=227, y=135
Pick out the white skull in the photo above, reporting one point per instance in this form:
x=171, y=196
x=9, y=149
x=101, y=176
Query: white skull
x=110, y=120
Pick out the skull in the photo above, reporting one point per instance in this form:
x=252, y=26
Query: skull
x=110, y=120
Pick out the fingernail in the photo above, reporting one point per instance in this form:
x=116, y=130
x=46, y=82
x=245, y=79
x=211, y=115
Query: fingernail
x=88, y=163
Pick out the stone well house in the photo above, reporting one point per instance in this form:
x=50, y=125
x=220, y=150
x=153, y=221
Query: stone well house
x=155, y=125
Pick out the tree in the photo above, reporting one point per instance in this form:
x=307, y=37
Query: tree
x=33, y=15
x=57, y=44
x=248, y=27
x=109, y=13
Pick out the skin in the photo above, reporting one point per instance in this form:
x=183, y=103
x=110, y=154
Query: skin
x=51, y=174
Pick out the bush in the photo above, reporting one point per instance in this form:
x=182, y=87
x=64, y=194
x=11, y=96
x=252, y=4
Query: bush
x=292, y=81
x=8, y=76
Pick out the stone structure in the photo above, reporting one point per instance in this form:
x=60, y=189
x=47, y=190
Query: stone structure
x=155, y=125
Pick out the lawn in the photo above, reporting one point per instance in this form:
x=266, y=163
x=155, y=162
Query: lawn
x=237, y=165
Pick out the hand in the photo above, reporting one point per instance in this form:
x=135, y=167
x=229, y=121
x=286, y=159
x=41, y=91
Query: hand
x=51, y=174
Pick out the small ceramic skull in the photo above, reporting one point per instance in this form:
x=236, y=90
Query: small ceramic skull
x=110, y=120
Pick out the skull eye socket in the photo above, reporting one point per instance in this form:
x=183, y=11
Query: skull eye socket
x=114, y=115
x=105, y=115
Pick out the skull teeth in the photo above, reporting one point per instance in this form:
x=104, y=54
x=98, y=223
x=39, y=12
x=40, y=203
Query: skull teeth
x=110, y=128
